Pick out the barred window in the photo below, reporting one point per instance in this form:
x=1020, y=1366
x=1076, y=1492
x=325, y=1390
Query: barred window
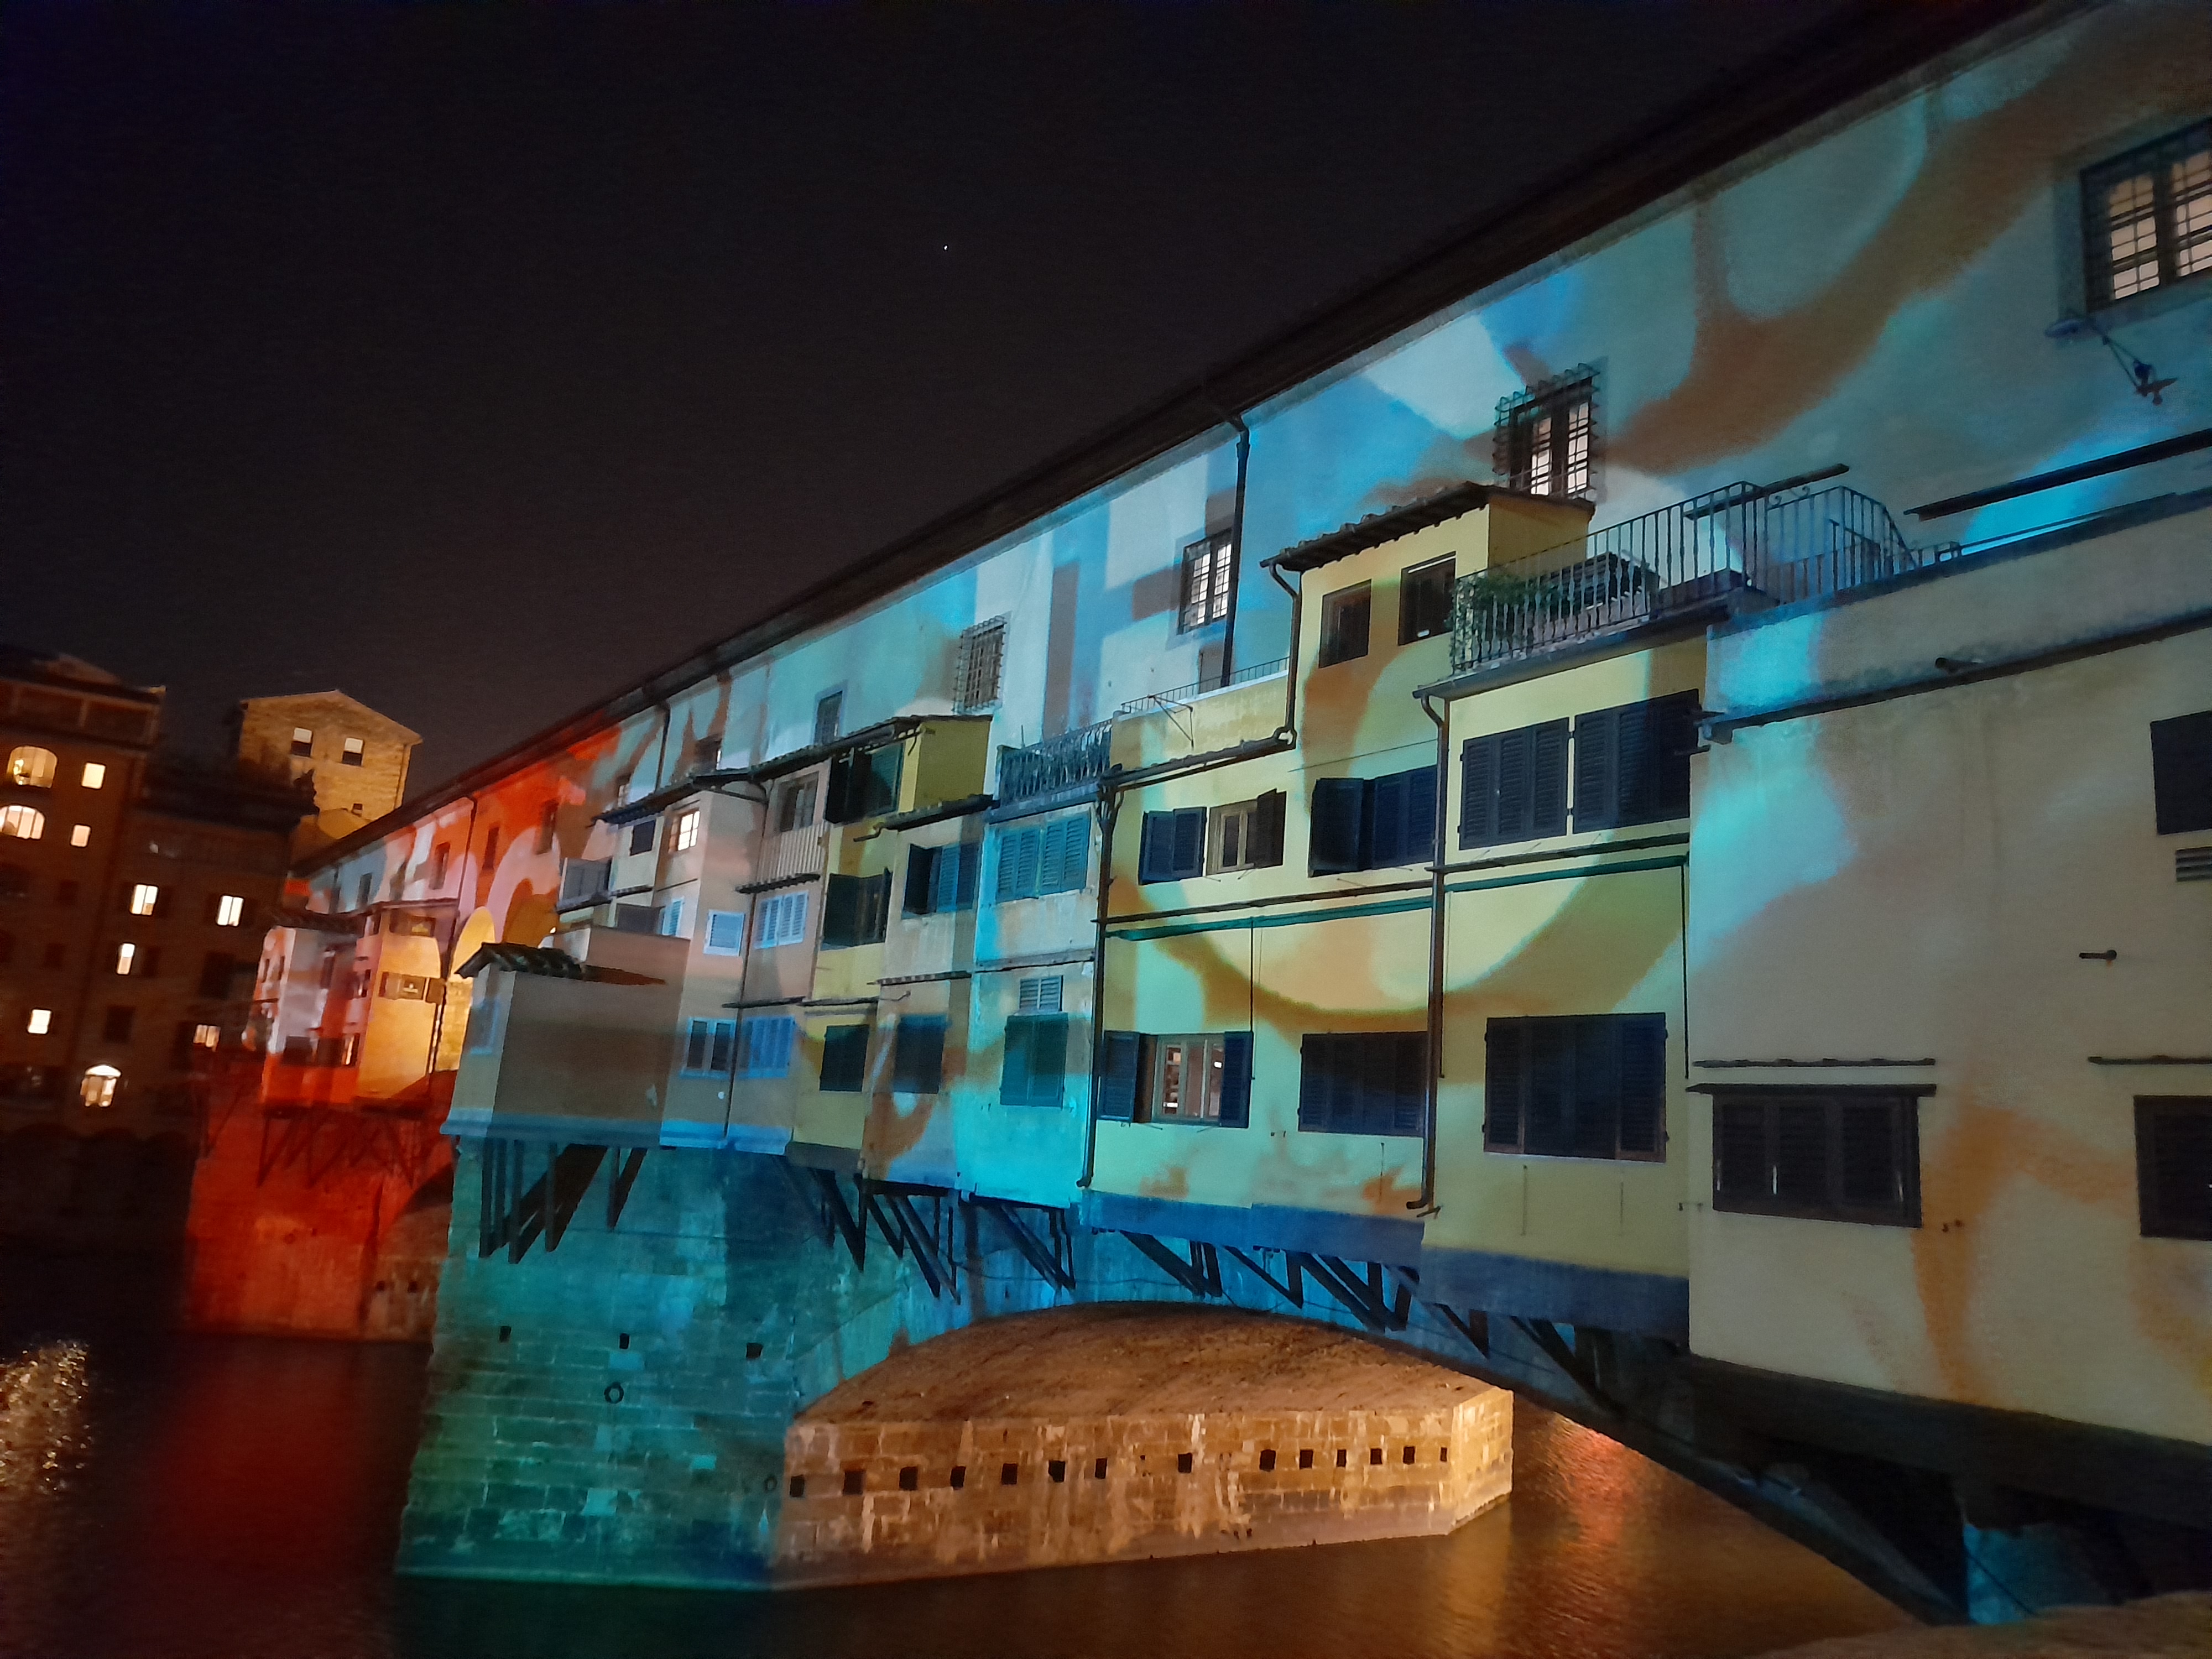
x=1209, y=580
x=2146, y=216
x=1545, y=437
x=975, y=673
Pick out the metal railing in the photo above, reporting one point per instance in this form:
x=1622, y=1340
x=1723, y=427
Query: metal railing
x=1061, y=762
x=1153, y=702
x=1775, y=543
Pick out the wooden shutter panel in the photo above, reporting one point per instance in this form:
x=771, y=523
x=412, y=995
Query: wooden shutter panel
x=1743, y=1165
x=1866, y=1168
x=1635, y=765
x=1596, y=803
x=1595, y=1090
x=1386, y=821
x=920, y=872
x=970, y=874
x=726, y=1042
x=945, y=879
x=1800, y=1153
x=1190, y=852
x=1547, y=1108
x=1014, y=1077
x=1156, y=851
x=840, y=804
x=1410, y=1092
x=695, y=1050
x=1516, y=802
x=2181, y=773
x=876, y=908
x=1121, y=1062
x=1477, y=792
x=840, y=911
x=1334, y=835
x=1420, y=832
x=1236, y=1078
x=1643, y=1062
x=1048, y=1058
x=1316, y=1061
x=1504, y=1083
x=1003, y=885
x=1547, y=779
x=1267, y=847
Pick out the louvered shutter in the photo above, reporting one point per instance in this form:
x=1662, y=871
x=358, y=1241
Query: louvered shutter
x=1014, y=1078
x=920, y=880
x=1741, y=1166
x=1548, y=1106
x=2181, y=773
x=1386, y=821
x=1419, y=844
x=1049, y=858
x=841, y=912
x=1547, y=779
x=1334, y=835
x=1190, y=852
x=1156, y=847
x=970, y=875
x=1048, y=1058
x=1410, y=1089
x=1236, y=1078
x=1477, y=792
x=1675, y=739
x=1800, y=1153
x=1316, y=1057
x=1267, y=847
x=1866, y=1168
x=1636, y=752
x=1597, y=788
x=1029, y=856
x=1595, y=1088
x=695, y=1049
x=1642, y=1063
x=1120, y=1062
x=945, y=879
x=1516, y=799
x=726, y=1038
x=1003, y=884
x=1504, y=1083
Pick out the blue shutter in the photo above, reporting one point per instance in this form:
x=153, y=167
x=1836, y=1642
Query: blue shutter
x=1316, y=1058
x=1516, y=792
x=1595, y=1090
x=1236, y=1079
x=1123, y=1060
x=1334, y=833
x=1643, y=1066
x=726, y=1038
x=1003, y=882
x=1420, y=815
x=1410, y=1093
x=1547, y=1107
x=1029, y=856
x=1156, y=850
x=945, y=879
x=1503, y=1085
x=1014, y=1075
x=1477, y=792
x=1386, y=821
x=921, y=868
x=971, y=865
x=1189, y=852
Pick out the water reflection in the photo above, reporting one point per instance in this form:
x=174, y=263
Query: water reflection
x=239, y=1498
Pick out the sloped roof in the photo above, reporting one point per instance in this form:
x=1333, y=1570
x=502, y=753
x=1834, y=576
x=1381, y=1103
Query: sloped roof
x=544, y=963
x=369, y=716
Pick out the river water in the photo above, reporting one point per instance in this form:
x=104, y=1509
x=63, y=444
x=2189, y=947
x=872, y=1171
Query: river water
x=239, y=1498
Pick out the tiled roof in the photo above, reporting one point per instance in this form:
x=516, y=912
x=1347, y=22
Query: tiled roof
x=545, y=963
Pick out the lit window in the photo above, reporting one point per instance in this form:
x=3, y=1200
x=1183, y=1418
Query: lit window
x=99, y=1087
x=349, y=754
x=21, y=821
x=1543, y=441
x=229, y=910
x=94, y=775
x=1187, y=1075
x=687, y=832
x=144, y=898
x=2148, y=216
x=1209, y=575
x=303, y=740
x=41, y=1022
x=32, y=767
x=206, y=1037
x=80, y=835
x=125, y=956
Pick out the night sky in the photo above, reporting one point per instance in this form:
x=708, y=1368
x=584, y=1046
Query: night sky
x=476, y=361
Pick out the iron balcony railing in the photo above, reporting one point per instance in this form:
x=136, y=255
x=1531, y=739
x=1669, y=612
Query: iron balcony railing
x=1774, y=543
x=1075, y=757
x=1154, y=701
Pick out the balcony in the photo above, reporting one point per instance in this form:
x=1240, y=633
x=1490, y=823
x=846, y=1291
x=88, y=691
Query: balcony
x=792, y=855
x=1068, y=765
x=1763, y=544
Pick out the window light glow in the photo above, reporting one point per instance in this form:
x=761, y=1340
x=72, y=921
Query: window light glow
x=80, y=835
x=32, y=767
x=206, y=1037
x=687, y=832
x=229, y=910
x=23, y=822
x=94, y=775
x=40, y=1022
x=125, y=954
x=144, y=898
x=99, y=1087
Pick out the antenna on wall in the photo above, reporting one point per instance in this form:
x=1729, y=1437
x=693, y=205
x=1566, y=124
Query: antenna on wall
x=2141, y=375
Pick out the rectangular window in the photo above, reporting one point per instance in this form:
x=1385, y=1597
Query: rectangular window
x=829, y=710
x=303, y=740
x=94, y=775
x=765, y=1050
x=977, y=666
x=708, y=1047
x=364, y=890
x=844, y=1059
x=781, y=920
x=1044, y=859
x=549, y=820
x=1039, y=994
x=41, y=1022
x=939, y=879
x=2181, y=773
x=1632, y=763
x=410, y=923
x=1576, y=1085
x=1209, y=579
x=1173, y=846
x=1543, y=443
x=407, y=987
x=116, y=1028
x=1424, y=600
x=1836, y=1154
x=917, y=1055
x=1513, y=785
x=687, y=830
x=1372, y=823
x=207, y=1036
x=218, y=970
x=441, y=858
x=640, y=837
x=350, y=752
x=491, y=865
x=144, y=898
x=126, y=956
x=1344, y=625
x=1246, y=834
x=2146, y=216
x=864, y=785
x=1036, y=1060
x=1363, y=1083
x=673, y=918
x=725, y=933
x=1186, y=1078
x=2173, y=1166
x=794, y=805
x=80, y=835
x=854, y=909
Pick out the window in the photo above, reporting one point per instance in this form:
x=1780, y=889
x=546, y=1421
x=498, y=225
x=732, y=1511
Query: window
x=855, y=910
x=411, y=924
x=94, y=775
x=1194, y=1077
x=549, y=819
x=491, y=865
x=707, y=753
x=764, y=1049
x=794, y=805
x=116, y=1027
x=217, y=969
x=975, y=669
x=40, y=1022
x=80, y=835
x=1039, y=994
x=1035, y=1061
x=1344, y=625
x=440, y=856
x=1363, y=1083
x=31, y=766
x=942, y=879
x=303, y=740
x=2181, y=773
x=99, y=1085
x=844, y=1059
x=1824, y=1154
x=1513, y=785
x=828, y=709
x=2146, y=216
x=1209, y=582
x=2173, y=1166
x=708, y=1046
x=22, y=821
x=669, y=924
x=917, y=1055
x=1173, y=846
x=1424, y=600
x=1544, y=437
x=1578, y=1086
x=1044, y=859
x=781, y=920
x=725, y=933
x=404, y=988
x=583, y=881
x=144, y=899
x=230, y=909
x=1632, y=763
x=641, y=836
x=687, y=830
x=349, y=752
x=1372, y=823
x=1246, y=834
x=864, y=785
x=126, y=956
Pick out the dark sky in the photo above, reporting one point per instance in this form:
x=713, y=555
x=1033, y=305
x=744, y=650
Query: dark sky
x=477, y=359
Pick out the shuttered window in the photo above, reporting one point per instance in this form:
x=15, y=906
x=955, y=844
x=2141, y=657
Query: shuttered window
x=1039, y=994
x=2173, y=1166
x=864, y=785
x=726, y=933
x=1513, y=785
x=1173, y=847
x=942, y=879
x=1372, y=823
x=1632, y=763
x=1120, y=1064
x=1821, y=1154
x=1035, y=1059
x=1576, y=1085
x=917, y=1055
x=765, y=1050
x=781, y=918
x=1042, y=859
x=854, y=909
x=708, y=1047
x=2181, y=773
x=844, y=1060
x=1363, y=1083
x=1344, y=625
x=1246, y=834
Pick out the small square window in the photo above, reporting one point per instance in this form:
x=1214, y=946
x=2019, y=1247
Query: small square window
x=856, y=1482
x=1010, y=1474
x=1424, y=600
x=40, y=1022
x=1305, y=1457
x=725, y=933
x=1374, y=1456
x=1339, y=1457
x=94, y=775
x=1183, y=1462
x=80, y=835
x=909, y=1478
x=207, y=1036
x=1098, y=1469
x=959, y=1478
x=1267, y=1461
x=350, y=753
x=797, y=1487
x=1057, y=1469
x=303, y=740
x=1344, y=625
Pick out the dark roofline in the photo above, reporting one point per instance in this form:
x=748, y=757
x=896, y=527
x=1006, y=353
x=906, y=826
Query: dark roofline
x=1809, y=75
x=1391, y=523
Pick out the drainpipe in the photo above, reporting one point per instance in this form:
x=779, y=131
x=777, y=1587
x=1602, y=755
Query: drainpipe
x=1427, y=1202
x=1236, y=545
x=1110, y=809
x=1288, y=731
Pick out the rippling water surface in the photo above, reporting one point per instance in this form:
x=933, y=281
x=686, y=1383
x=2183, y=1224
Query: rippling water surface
x=213, y=1497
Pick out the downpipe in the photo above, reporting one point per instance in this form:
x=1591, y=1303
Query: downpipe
x=1426, y=1203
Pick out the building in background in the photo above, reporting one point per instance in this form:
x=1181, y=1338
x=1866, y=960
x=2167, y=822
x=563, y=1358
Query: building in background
x=356, y=758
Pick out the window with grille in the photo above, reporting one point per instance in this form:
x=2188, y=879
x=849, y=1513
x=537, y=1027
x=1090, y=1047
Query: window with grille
x=828, y=711
x=2173, y=1166
x=939, y=879
x=1054, y=857
x=1576, y=1085
x=976, y=667
x=1209, y=580
x=1836, y=1154
x=1035, y=1070
x=1363, y=1083
x=781, y=920
x=1372, y=823
x=725, y=933
x=844, y=1059
x=709, y=1046
x=1344, y=625
x=2146, y=216
x=917, y=1055
x=765, y=1044
x=1424, y=600
x=1545, y=437
x=1246, y=834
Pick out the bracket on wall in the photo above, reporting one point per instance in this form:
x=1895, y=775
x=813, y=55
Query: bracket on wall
x=1474, y=1325
x=1363, y=1297
x=1292, y=1292
x=516, y=1212
x=620, y=1180
x=1201, y=1275
x=1053, y=1257
x=841, y=1219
